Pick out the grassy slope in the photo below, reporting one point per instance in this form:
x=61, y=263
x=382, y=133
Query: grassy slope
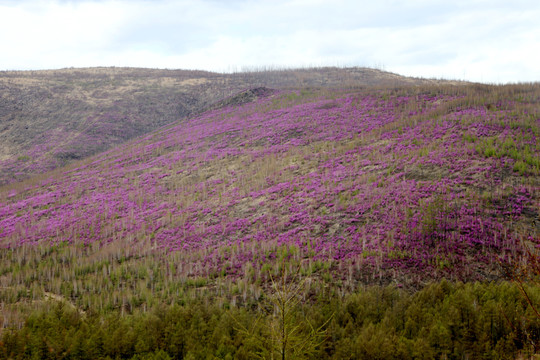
x=51, y=118
x=399, y=185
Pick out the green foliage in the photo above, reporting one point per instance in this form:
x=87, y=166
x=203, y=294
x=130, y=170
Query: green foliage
x=282, y=331
x=526, y=159
x=520, y=167
x=442, y=321
x=469, y=138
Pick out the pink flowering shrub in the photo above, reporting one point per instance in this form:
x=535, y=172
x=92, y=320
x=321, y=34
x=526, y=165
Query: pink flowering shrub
x=370, y=183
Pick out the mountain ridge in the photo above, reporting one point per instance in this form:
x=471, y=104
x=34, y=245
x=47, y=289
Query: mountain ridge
x=51, y=117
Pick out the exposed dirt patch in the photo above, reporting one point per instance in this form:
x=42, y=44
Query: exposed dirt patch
x=189, y=82
x=245, y=97
x=426, y=173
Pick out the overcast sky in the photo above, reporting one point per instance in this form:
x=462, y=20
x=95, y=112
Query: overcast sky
x=480, y=40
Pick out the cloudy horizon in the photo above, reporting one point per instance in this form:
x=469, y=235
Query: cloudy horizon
x=477, y=40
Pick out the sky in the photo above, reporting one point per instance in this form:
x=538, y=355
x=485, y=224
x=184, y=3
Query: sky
x=488, y=41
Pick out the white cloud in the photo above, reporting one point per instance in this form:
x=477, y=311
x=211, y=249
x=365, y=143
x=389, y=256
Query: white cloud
x=42, y=35
x=491, y=41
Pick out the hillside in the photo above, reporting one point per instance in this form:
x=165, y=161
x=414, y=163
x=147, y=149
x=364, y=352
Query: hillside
x=347, y=188
x=396, y=181
x=51, y=118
